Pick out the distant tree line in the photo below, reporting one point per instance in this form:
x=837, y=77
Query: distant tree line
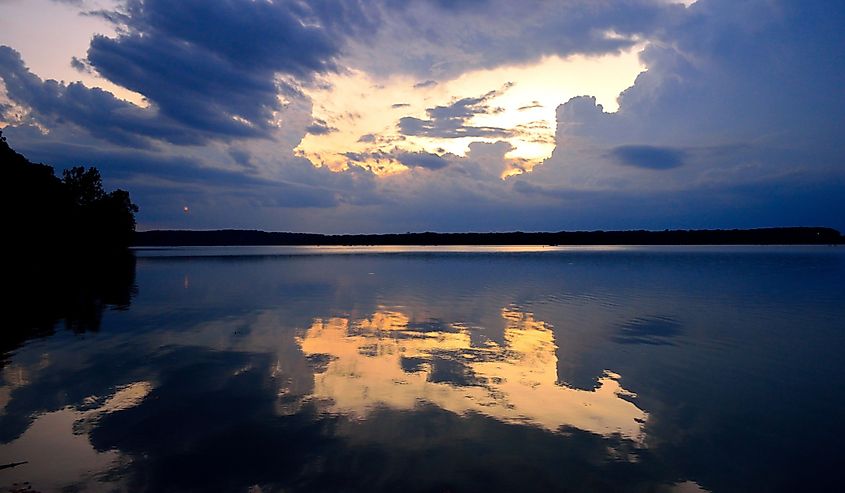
x=762, y=236
x=73, y=212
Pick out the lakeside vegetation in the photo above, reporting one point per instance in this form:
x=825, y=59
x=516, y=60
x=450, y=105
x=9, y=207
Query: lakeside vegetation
x=71, y=213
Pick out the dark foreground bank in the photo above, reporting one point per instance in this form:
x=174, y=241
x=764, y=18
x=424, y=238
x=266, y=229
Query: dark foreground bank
x=46, y=218
x=763, y=236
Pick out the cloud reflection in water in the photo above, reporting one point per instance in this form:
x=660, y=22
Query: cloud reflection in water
x=513, y=382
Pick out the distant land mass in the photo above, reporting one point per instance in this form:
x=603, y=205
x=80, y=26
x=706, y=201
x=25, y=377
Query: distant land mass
x=761, y=236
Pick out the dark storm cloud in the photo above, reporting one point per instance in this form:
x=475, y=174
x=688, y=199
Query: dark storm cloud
x=449, y=122
x=280, y=36
x=648, y=157
x=198, y=90
x=212, y=66
x=96, y=110
x=208, y=70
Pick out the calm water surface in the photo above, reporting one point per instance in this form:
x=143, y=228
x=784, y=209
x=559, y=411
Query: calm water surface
x=646, y=369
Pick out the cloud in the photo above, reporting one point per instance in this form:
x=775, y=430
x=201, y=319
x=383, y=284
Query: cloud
x=399, y=105
x=425, y=83
x=440, y=39
x=80, y=65
x=648, y=157
x=449, y=122
x=320, y=127
x=219, y=80
x=223, y=79
x=200, y=83
x=294, y=38
x=709, y=116
x=96, y=110
x=532, y=105
x=242, y=157
x=425, y=160
x=411, y=159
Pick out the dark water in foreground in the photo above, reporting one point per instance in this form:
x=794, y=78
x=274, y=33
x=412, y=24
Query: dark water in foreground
x=573, y=369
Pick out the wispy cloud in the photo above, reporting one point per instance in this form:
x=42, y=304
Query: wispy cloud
x=452, y=121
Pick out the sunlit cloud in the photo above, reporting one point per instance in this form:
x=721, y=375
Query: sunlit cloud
x=514, y=104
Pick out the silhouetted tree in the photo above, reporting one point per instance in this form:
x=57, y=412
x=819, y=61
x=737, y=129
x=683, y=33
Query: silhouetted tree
x=84, y=186
x=74, y=213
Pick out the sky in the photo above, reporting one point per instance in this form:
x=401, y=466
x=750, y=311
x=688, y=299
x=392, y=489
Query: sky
x=345, y=116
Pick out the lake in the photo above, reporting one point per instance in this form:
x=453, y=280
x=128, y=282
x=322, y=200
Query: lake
x=642, y=369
